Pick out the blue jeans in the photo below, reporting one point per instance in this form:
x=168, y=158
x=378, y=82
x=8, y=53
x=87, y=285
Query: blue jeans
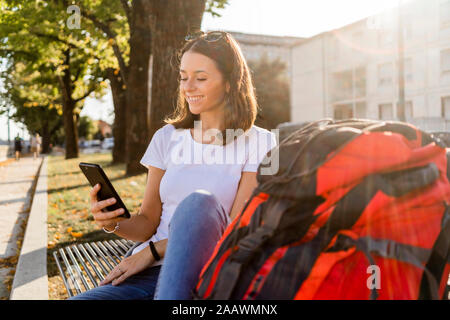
x=140, y=286
x=197, y=224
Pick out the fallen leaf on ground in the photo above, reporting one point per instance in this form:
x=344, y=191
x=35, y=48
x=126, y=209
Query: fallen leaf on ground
x=76, y=234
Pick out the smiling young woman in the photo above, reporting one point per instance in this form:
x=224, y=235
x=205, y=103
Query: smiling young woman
x=197, y=199
x=203, y=88
x=214, y=77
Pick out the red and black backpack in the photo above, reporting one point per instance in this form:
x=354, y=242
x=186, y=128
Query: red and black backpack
x=359, y=209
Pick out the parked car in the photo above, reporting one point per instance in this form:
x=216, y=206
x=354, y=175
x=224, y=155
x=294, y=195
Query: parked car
x=82, y=143
x=95, y=143
x=90, y=143
x=108, y=143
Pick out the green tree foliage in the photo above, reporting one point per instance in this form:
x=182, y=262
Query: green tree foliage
x=272, y=92
x=114, y=40
x=57, y=63
x=32, y=102
x=213, y=5
x=154, y=28
x=107, y=24
x=86, y=128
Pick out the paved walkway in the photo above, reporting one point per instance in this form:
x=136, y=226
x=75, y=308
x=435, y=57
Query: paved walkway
x=16, y=185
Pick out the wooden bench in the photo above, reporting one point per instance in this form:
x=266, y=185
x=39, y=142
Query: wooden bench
x=82, y=266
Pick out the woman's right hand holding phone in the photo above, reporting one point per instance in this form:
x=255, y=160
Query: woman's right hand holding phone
x=109, y=219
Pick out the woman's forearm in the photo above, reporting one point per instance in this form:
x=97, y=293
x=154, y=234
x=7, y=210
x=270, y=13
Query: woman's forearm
x=160, y=247
x=137, y=228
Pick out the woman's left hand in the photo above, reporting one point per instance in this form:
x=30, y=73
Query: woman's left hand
x=129, y=266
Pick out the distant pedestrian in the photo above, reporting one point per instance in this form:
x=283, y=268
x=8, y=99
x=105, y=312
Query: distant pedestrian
x=17, y=146
x=36, y=145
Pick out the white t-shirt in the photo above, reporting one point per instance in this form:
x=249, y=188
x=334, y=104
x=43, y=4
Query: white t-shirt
x=190, y=166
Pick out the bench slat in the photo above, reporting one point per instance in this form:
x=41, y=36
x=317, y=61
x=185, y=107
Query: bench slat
x=119, y=247
x=91, y=262
x=112, y=250
x=62, y=273
x=107, y=254
x=85, y=267
x=96, y=258
x=128, y=243
x=82, y=266
x=77, y=268
x=71, y=277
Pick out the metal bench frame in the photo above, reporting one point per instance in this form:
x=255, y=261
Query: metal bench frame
x=82, y=266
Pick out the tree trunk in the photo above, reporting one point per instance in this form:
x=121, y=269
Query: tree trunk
x=70, y=130
x=45, y=137
x=69, y=119
x=155, y=19
x=119, y=127
x=168, y=38
x=138, y=85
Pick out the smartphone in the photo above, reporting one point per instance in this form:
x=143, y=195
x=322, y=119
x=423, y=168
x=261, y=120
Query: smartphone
x=95, y=174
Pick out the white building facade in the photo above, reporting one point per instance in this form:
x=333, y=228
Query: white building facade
x=254, y=46
x=353, y=71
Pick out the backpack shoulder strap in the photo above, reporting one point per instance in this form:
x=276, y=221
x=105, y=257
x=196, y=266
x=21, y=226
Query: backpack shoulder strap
x=439, y=257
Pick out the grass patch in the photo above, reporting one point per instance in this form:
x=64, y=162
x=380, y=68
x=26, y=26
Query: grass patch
x=68, y=214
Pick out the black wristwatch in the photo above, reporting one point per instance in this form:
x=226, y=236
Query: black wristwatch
x=153, y=250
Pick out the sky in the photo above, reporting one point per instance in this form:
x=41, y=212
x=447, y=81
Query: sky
x=298, y=18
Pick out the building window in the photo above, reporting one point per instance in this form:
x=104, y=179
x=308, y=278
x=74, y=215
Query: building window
x=445, y=61
x=445, y=105
x=407, y=69
x=385, y=74
x=336, y=48
x=343, y=111
x=407, y=28
x=342, y=85
x=408, y=110
x=385, y=37
x=444, y=13
x=360, y=82
x=360, y=110
x=385, y=111
x=357, y=39
x=348, y=85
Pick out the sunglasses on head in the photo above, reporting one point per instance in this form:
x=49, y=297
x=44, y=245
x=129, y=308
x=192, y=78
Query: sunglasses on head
x=210, y=36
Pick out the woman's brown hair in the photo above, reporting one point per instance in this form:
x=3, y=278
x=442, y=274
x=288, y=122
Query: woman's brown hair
x=241, y=108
